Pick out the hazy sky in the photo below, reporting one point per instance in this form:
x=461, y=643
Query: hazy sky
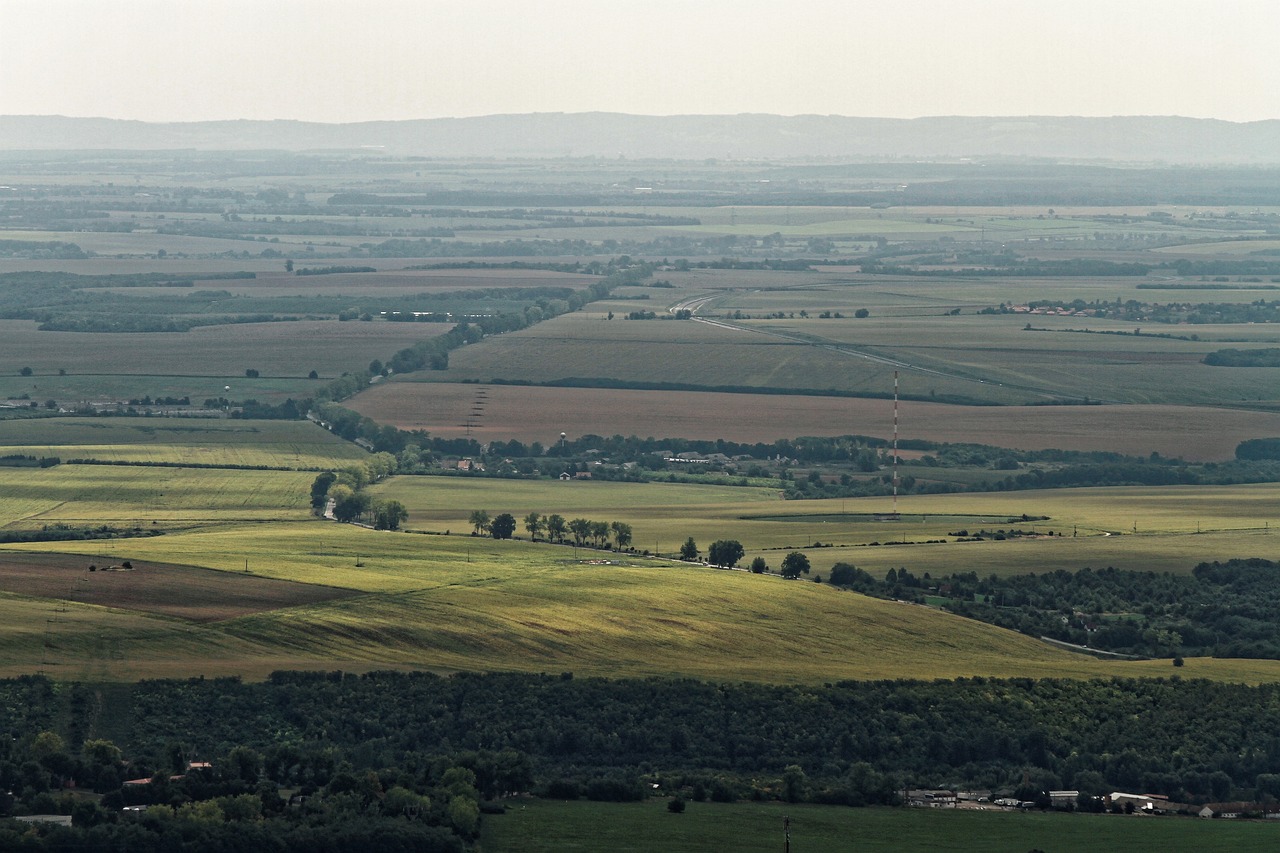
x=354, y=60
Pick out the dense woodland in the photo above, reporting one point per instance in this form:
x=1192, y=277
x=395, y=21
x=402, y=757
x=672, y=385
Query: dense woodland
x=403, y=759
x=1229, y=610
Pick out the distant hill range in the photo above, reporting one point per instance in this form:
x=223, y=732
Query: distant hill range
x=1138, y=139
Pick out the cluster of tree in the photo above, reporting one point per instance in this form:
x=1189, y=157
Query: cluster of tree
x=554, y=528
x=345, y=489
x=1227, y=609
x=333, y=270
x=68, y=321
x=850, y=742
x=1222, y=266
x=66, y=533
x=1264, y=357
x=1132, y=310
x=1255, y=449
x=1014, y=265
x=21, y=460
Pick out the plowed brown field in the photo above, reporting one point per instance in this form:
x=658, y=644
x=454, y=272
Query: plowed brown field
x=528, y=413
x=186, y=592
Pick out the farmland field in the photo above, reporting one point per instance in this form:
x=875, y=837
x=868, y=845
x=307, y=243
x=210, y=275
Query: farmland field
x=1151, y=529
x=205, y=442
x=184, y=592
x=131, y=496
x=540, y=414
x=458, y=603
x=935, y=355
x=534, y=826
x=287, y=349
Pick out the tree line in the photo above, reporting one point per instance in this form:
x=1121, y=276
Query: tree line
x=333, y=735
x=1229, y=609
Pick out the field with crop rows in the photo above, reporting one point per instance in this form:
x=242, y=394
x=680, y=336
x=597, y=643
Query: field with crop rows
x=275, y=444
x=80, y=495
x=540, y=414
x=287, y=349
x=461, y=603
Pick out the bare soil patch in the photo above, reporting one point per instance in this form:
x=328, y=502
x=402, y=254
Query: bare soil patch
x=185, y=592
x=530, y=413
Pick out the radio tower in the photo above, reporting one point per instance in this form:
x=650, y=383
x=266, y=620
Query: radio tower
x=895, y=444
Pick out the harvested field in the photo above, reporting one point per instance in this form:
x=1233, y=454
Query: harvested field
x=275, y=349
x=184, y=592
x=540, y=414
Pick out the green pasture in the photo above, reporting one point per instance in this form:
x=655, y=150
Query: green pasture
x=534, y=826
x=128, y=496
x=1140, y=528
x=197, y=363
x=275, y=444
x=453, y=603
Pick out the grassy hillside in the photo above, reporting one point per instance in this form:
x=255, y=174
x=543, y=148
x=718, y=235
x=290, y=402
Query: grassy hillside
x=457, y=602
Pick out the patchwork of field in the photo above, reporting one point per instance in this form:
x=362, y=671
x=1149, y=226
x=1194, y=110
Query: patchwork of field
x=470, y=603
x=1140, y=528
x=983, y=359
x=529, y=413
x=273, y=444
x=182, y=592
x=287, y=349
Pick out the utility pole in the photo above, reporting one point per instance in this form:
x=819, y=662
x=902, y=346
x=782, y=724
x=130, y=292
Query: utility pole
x=786, y=834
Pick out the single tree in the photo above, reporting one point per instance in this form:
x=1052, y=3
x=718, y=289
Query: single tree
x=479, y=522
x=251, y=373
x=600, y=533
x=621, y=534
x=26, y=371
x=320, y=490
x=794, y=565
x=503, y=525
x=313, y=375
x=556, y=527
x=759, y=566
x=581, y=530
x=689, y=550
x=725, y=553
x=534, y=524
x=288, y=265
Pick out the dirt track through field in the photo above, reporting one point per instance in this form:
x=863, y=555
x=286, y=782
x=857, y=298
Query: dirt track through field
x=504, y=412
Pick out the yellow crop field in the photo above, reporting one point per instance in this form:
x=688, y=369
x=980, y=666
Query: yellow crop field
x=130, y=495
x=275, y=444
x=448, y=603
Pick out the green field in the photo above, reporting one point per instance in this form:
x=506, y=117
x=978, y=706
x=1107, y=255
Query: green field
x=91, y=495
x=534, y=826
x=458, y=603
x=205, y=442
x=453, y=602
x=1151, y=528
x=983, y=358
